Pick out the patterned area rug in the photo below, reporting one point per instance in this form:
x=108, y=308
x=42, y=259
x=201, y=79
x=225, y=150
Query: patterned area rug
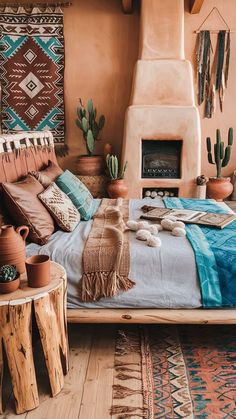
x=32, y=71
x=175, y=372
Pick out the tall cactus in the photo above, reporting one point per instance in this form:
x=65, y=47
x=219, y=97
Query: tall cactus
x=86, y=121
x=113, y=167
x=222, y=154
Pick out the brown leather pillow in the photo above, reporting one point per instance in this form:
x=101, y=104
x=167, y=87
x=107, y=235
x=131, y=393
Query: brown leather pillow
x=24, y=206
x=48, y=175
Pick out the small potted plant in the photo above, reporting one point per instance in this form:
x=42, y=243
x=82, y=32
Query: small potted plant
x=116, y=188
x=9, y=279
x=219, y=187
x=87, y=121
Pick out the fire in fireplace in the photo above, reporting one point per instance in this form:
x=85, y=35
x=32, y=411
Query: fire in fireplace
x=161, y=158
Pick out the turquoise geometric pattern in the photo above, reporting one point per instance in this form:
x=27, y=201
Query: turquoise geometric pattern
x=215, y=253
x=32, y=71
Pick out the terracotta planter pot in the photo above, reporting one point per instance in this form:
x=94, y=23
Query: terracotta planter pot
x=117, y=189
x=38, y=271
x=7, y=287
x=12, y=246
x=90, y=165
x=219, y=188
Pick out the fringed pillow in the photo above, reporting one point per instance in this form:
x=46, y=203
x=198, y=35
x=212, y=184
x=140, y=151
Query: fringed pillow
x=60, y=207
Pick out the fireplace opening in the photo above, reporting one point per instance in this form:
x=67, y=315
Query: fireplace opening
x=161, y=158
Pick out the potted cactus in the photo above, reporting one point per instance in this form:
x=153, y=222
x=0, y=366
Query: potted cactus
x=116, y=188
x=219, y=187
x=90, y=125
x=9, y=279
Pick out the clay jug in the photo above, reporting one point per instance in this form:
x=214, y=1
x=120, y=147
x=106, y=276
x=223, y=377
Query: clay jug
x=12, y=246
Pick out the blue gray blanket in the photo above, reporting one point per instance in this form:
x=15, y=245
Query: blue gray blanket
x=215, y=253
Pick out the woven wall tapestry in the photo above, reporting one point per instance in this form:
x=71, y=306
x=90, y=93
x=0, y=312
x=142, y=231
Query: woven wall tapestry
x=32, y=70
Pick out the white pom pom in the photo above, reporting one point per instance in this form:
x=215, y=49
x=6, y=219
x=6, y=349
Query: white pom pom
x=179, y=232
x=154, y=242
x=148, y=194
x=167, y=224
x=170, y=217
x=178, y=224
x=132, y=225
x=143, y=235
x=153, y=229
x=143, y=225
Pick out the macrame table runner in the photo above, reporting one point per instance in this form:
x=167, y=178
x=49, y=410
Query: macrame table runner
x=106, y=258
x=32, y=70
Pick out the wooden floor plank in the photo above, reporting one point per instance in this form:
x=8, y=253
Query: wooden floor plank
x=97, y=396
x=67, y=403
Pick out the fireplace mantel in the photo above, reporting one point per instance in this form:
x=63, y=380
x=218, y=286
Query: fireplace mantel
x=162, y=103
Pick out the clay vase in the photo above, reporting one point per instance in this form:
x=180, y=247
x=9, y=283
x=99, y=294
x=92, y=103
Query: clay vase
x=219, y=188
x=38, y=271
x=12, y=246
x=90, y=165
x=7, y=287
x=117, y=189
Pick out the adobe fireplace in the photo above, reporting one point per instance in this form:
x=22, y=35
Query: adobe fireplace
x=162, y=134
x=161, y=159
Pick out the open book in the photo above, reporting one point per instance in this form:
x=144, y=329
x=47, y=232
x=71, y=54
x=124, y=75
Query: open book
x=188, y=216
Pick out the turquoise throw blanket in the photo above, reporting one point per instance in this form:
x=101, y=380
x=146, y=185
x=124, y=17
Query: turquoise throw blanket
x=215, y=253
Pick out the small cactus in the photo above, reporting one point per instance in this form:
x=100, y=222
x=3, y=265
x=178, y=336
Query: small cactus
x=222, y=154
x=113, y=167
x=8, y=273
x=86, y=121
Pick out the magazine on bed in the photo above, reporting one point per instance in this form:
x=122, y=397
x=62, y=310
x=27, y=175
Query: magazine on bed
x=188, y=216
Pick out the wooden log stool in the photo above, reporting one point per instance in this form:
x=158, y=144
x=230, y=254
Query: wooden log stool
x=16, y=312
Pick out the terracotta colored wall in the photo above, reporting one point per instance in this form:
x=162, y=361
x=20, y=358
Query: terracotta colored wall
x=101, y=51
x=228, y=117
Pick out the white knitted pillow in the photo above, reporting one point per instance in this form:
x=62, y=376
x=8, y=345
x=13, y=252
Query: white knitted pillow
x=60, y=207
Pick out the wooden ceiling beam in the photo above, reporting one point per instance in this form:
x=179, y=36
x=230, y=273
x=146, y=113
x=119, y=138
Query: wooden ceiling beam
x=127, y=6
x=195, y=6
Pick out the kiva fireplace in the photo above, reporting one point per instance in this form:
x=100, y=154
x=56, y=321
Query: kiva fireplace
x=162, y=128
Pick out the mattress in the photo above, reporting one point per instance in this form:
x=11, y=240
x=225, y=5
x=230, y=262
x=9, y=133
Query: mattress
x=165, y=277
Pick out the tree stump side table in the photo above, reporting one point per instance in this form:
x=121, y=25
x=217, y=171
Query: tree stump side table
x=16, y=311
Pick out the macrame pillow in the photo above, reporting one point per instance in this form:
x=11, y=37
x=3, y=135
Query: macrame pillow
x=78, y=193
x=60, y=207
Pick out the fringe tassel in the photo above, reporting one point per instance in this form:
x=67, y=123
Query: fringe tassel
x=122, y=377
x=96, y=285
x=121, y=392
x=128, y=412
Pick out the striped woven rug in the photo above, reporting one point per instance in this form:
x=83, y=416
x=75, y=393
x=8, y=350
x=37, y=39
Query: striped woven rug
x=175, y=372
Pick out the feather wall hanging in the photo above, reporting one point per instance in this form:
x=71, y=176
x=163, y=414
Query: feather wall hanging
x=212, y=66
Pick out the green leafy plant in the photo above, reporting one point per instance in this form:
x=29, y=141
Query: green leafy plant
x=89, y=124
x=8, y=273
x=113, y=167
x=222, y=154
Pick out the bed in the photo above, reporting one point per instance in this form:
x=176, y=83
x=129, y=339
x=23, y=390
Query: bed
x=167, y=287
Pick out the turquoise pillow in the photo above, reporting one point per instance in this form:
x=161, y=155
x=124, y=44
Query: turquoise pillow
x=78, y=193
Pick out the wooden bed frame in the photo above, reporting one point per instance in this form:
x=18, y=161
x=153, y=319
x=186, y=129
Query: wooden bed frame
x=8, y=144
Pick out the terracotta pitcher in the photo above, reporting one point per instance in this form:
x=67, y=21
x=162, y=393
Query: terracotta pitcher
x=12, y=246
